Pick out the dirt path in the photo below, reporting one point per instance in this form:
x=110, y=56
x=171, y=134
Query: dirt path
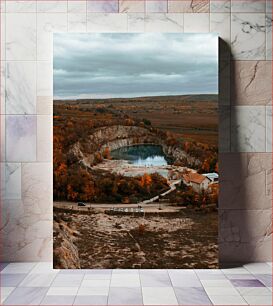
x=153, y=199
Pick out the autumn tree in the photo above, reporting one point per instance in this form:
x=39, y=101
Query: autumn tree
x=146, y=181
x=106, y=153
x=88, y=191
x=97, y=158
x=71, y=194
x=206, y=166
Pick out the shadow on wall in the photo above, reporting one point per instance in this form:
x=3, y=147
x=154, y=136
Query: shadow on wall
x=245, y=195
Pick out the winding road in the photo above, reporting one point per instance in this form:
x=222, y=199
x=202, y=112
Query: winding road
x=147, y=203
x=172, y=188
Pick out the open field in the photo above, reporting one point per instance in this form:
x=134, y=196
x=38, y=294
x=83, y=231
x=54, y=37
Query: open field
x=184, y=239
x=193, y=117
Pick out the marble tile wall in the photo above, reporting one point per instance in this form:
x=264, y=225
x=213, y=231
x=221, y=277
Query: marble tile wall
x=245, y=29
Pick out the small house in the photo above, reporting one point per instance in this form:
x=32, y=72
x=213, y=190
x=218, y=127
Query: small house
x=213, y=177
x=197, y=181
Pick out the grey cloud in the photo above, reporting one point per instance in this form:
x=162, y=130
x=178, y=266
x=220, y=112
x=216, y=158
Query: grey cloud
x=125, y=65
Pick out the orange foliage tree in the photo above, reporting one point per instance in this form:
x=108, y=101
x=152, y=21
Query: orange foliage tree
x=106, y=153
x=206, y=166
x=146, y=181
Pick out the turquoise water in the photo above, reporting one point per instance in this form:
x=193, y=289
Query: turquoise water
x=141, y=155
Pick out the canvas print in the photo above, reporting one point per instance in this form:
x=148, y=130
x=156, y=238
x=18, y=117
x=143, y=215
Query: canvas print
x=135, y=151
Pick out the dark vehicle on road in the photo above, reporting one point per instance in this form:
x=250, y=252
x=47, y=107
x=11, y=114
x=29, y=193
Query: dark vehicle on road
x=81, y=204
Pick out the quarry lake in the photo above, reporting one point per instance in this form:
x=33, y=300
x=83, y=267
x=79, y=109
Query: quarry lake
x=142, y=155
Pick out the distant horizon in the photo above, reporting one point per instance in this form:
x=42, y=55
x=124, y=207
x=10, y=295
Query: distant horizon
x=132, y=65
x=154, y=96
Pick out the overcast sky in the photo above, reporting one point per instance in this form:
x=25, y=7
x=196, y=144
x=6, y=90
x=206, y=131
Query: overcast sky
x=132, y=65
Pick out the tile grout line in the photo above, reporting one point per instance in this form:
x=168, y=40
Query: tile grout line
x=74, y=300
x=36, y=83
x=86, y=16
x=141, y=288
x=5, y=92
x=111, y=274
x=176, y=296
x=203, y=286
x=229, y=80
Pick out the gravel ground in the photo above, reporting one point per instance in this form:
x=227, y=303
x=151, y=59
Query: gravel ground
x=185, y=239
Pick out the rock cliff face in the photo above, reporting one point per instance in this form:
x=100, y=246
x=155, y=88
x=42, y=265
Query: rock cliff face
x=118, y=136
x=66, y=255
x=179, y=155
